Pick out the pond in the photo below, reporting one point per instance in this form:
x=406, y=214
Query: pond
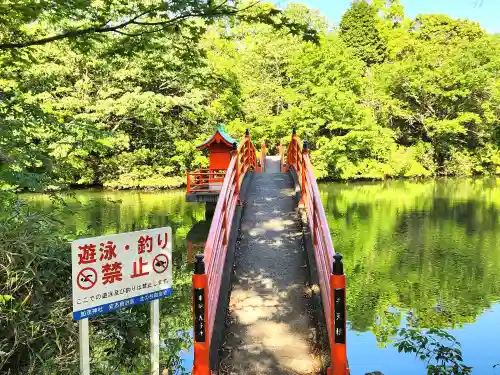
x=427, y=250
x=422, y=250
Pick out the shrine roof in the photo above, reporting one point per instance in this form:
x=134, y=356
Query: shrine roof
x=219, y=136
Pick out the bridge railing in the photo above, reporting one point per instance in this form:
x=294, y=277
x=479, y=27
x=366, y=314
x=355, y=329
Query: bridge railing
x=262, y=159
x=204, y=180
x=209, y=266
x=329, y=265
x=194, y=248
x=281, y=150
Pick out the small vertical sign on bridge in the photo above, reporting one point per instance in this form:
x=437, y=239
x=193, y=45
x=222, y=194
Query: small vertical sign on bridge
x=339, y=319
x=199, y=314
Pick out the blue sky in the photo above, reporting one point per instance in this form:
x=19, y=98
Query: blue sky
x=486, y=12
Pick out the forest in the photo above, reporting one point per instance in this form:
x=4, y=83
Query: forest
x=377, y=96
x=117, y=94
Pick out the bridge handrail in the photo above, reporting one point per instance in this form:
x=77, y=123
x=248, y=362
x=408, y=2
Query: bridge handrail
x=281, y=150
x=329, y=279
x=204, y=179
x=243, y=159
x=216, y=245
x=310, y=198
x=262, y=160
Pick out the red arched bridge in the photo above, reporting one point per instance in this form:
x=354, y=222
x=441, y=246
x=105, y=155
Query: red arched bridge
x=255, y=311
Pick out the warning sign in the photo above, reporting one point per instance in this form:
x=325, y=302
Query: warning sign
x=86, y=278
x=120, y=270
x=160, y=263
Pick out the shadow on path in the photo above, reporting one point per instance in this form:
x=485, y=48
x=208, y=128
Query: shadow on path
x=270, y=326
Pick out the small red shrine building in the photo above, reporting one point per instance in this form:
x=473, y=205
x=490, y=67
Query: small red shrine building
x=204, y=185
x=220, y=146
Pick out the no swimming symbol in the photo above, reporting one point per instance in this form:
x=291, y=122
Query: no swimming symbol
x=86, y=278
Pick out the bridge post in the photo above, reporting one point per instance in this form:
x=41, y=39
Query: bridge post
x=296, y=149
x=247, y=141
x=338, y=318
x=305, y=150
x=263, y=158
x=283, y=164
x=201, y=363
x=190, y=251
x=236, y=172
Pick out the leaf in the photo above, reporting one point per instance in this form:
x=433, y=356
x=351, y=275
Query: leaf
x=4, y=298
x=25, y=300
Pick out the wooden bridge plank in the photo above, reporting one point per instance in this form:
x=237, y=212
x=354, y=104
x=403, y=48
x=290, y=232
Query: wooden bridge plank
x=270, y=313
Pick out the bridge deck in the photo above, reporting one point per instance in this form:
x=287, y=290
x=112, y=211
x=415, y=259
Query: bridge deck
x=269, y=309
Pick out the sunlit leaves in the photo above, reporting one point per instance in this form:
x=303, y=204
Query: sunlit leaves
x=441, y=350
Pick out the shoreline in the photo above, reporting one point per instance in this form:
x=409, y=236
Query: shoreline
x=360, y=181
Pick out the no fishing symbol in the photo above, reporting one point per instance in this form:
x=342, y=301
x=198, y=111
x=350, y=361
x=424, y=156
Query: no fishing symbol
x=86, y=278
x=160, y=263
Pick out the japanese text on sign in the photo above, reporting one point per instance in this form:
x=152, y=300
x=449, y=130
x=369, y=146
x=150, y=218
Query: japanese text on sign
x=120, y=270
x=339, y=318
x=199, y=314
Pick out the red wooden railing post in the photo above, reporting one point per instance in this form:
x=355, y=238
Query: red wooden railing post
x=333, y=279
x=190, y=251
x=206, y=283
x=305, y=151
x=188, y=183
x=201, y=363
x=338, y=318
x=247, y=144
x=297, y=151
x=236, y=155
x=282, y=158
x=263, y=157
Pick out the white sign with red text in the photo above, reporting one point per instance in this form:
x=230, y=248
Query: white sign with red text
x=120, y=270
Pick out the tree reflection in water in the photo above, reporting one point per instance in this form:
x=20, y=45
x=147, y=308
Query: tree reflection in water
x=424, y=252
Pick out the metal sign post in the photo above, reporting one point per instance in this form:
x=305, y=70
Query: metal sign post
x=121, y=270
x=155, y=337
x=83, y=330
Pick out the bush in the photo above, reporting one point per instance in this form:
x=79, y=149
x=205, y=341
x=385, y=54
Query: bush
x=136, y=181
x=37, y=334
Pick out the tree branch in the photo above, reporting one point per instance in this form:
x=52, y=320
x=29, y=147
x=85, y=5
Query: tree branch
x=104, y=28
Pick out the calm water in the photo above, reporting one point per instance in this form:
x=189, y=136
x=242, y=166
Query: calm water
x=427, y=250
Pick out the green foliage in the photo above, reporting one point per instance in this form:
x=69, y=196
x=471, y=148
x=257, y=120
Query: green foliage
x=359, y=31
x=449, y=103
x=383, y=97
x=434, y=345
x=32, y=23
x=34, y=334
x=37, y=333
x=444, y=29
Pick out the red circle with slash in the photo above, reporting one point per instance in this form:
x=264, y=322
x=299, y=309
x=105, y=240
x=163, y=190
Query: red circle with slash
x=86, y=278
x=160, y=263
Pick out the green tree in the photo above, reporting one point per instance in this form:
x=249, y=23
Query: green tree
x=359, y=30
x=444, y=29
x=446, y=105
